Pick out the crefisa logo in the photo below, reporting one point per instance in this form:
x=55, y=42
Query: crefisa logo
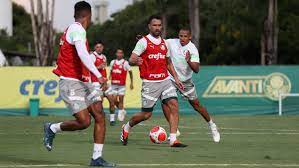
x=270, y=86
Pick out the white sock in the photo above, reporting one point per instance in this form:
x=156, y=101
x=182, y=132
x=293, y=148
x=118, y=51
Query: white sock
x=97, y=151
x=127, y=127
x=172, y=138
x=112, y=117
x=210, y=122
x=56, y=127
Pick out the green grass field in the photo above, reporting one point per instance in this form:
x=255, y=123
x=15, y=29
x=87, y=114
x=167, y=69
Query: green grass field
x=246, y=141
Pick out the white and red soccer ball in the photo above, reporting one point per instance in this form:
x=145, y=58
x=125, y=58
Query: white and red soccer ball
x=158, y=135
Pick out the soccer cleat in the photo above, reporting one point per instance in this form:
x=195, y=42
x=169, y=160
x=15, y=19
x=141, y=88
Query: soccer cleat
x=49, y=135
x=178, y=144
x=214, y=132
x=124, y=136
x=121, y=115
x=112, y=123
x=100, y=162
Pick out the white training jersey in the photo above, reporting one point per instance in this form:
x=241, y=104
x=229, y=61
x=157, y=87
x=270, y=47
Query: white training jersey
x=177, y=54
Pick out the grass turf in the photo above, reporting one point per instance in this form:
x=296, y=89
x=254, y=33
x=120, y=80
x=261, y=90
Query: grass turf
x=246, y=141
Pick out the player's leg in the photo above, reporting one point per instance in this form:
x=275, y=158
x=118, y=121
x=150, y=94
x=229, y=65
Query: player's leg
x=200, y=109
x=135, y=119
x=149, y=95
x=169, y=100
x=121, y=110
x=97, y=112
x=111, y=109
x=111, y=98
x=166, y=112
x=204, y=113
x=190, y=93
x=73, y=94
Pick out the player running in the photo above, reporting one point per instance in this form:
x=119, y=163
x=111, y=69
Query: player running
x=185, y=58
x=150, y=54
x=82, y=99
x=118, y=75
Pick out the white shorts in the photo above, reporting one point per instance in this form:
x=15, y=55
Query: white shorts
x=117, y=90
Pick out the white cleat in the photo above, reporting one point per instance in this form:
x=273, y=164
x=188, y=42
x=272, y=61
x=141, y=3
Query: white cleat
x=121, y=115
x=215, y=133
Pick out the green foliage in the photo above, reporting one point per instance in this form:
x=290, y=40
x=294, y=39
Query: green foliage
x=22, y=32
x=230, y=29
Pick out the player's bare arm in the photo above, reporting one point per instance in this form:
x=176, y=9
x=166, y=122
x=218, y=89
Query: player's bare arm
x=131, y=79
x=135, y=59
x=193, y=65
x=173, y=73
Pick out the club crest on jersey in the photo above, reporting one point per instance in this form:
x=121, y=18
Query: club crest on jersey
x=163, y=47
x=61, y=42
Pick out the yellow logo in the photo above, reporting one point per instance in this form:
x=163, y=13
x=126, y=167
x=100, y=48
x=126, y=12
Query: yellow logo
x=249, y=86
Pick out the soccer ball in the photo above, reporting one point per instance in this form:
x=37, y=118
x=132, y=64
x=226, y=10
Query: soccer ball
x=158, y=135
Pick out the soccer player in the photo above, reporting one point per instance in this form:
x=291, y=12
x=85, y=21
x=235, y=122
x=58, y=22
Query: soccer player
x=101, y=64
x=150, y=54
x=82, y=99
x=185, y=58
x=118, y=75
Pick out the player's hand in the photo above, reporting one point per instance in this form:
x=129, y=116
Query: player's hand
x=104, y=86
x=101, y=66
x=102, y=80
x=187, y=56
x=179, y=84
x=139, y=61
x=131, y=86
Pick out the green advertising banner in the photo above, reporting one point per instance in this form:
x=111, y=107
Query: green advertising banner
x=222, y=89
x=246, y=89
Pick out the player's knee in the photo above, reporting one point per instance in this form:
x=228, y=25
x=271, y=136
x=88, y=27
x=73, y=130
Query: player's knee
x=173, y=103
x=85, y=124
x=147, y=115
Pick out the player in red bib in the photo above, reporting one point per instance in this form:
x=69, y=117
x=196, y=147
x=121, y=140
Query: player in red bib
x=101, y=64
x=118, y=75
x=75, y=67
x=151, y=55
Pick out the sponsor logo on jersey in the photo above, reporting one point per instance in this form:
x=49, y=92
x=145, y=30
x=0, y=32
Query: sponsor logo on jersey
x=270, y=86
x=161, y=75
x=116, y=71
x=156, y=56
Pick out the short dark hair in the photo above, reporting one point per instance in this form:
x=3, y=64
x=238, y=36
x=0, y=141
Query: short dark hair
x=186, y=29
x=99, y=42
x=158, y=17
x=81, y=8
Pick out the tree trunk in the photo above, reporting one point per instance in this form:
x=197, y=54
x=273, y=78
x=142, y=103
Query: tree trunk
x=43, y=31
x=270, y=35
x=194, y=19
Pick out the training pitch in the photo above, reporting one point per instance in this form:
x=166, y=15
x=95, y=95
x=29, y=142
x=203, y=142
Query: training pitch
x=246, y=141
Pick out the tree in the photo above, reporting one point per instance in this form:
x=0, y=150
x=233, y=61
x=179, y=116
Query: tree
x=43, y=31
x=193, y=10
x=269, y=37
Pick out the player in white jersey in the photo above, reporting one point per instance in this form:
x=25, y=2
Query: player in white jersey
x=185, y=58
